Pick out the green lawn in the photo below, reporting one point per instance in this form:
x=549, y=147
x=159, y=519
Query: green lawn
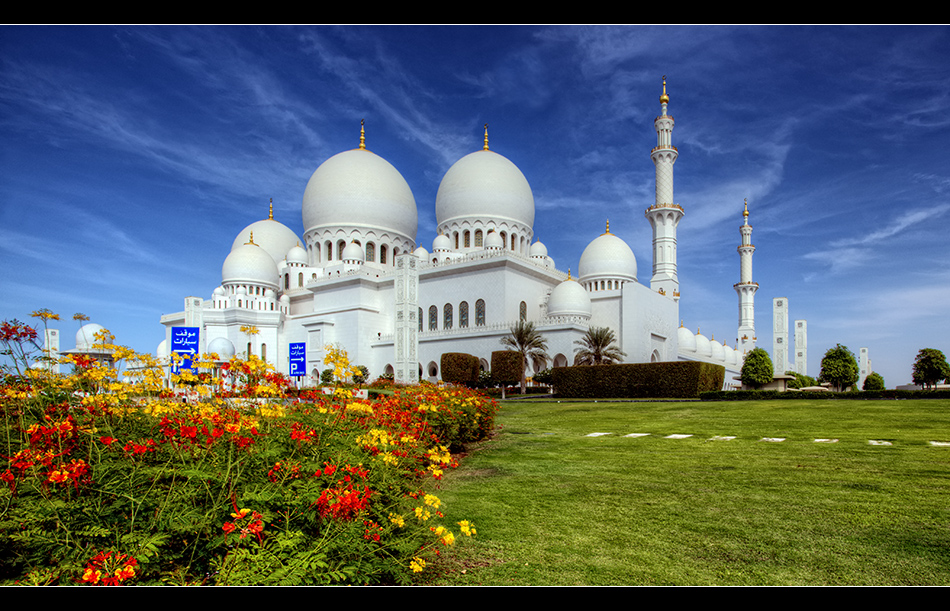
x=555, y=507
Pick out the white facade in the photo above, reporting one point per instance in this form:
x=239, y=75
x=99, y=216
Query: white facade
x=358, y=279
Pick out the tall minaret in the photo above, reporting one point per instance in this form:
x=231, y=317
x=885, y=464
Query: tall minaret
x=746, y=288
x=664, y=215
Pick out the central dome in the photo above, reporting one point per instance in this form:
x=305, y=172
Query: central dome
x=485, y=185
x=358, y=188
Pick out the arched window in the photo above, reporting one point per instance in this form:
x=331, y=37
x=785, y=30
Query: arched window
x=264, y=352
x=370, y=252
x=463, y=315
x=480, y=313
x=300, y=279
x=329, y=249
x=433, y=318
x=478, y=238
x=447, y=316
x=468, y=238
x=420, y=320
x=456, y=240
x=286, y=281
x=339, y=250
x=382, y=254
x=523, y=312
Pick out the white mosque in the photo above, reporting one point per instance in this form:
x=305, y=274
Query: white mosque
x=356, y=277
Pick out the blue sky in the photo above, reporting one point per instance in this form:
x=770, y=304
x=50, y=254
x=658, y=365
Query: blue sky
x=132, y=156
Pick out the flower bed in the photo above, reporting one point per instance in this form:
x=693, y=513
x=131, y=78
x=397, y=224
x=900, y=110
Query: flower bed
x=103, y=488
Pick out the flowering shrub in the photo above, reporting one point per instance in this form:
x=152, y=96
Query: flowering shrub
x=110, y=479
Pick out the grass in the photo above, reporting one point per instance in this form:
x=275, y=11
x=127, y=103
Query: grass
x=555, y=507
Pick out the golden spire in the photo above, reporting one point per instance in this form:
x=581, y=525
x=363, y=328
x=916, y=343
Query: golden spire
x=486, y=137
x=608, y=228
x=664, y=99
x=251, y=240
x=745, y=212
x=270, y=215
x=569, y=273
x=362, y=135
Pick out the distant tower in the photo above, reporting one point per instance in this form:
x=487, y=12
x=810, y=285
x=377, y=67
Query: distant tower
x=51, y=349
x=801, y=347
x=864, y=367
x=780, y=335
x=664, y=215
x=746, y=288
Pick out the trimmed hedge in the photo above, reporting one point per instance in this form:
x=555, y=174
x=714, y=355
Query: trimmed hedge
x=507, y=367
x=676, y=379
x=459, y=368
x=760, y=395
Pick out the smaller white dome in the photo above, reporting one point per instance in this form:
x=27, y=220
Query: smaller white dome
x=270, y=294
x=220, y=292
x=422, y=253
x=493, y=241
x=441, y=242
x=297, y=255
x=686, y=340
x=162, y=350
x=223, y=347
x=353, y=252
x=730, y=355
x=249, y=263
x=703, y=347
x=607, y=257
x=716, y=350
x=539, y=250
x=569, y=299
x=86, y=336
x=241, y=291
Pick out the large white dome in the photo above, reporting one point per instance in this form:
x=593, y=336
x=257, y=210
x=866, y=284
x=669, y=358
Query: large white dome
x=487, y=186
x=358, y=188
x=607, y=257
x=274, y=237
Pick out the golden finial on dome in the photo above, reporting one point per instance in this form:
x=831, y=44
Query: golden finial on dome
x=569, y=273
x=362, y=135
x=251, y=240
x=681, y=322
x=270, y=215
x=608, y=228
x=486, y=137
x=664, y=99
x=745, y=212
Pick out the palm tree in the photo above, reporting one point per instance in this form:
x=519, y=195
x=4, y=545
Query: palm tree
x=597, y=348
x=527, y=340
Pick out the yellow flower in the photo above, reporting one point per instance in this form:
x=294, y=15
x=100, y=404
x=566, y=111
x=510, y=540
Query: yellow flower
x=432, y=501
x=417, y=565
x=397, y=520
x=468, y=529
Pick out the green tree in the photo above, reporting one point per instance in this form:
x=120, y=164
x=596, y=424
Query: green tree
x=757, y=369
x=930, y=367
x=874, y=381
x=839, y=368
x=528, y=341
x=801, y=380
x=597, y=348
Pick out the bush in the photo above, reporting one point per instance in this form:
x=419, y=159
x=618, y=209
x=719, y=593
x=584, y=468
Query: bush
x=679, y=379
x=507, y=367
x=460, y=368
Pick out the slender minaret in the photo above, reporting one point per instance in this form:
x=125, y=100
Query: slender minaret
x=664, y=215
x=801, y=347
x=746, y=288
x=780, y=335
